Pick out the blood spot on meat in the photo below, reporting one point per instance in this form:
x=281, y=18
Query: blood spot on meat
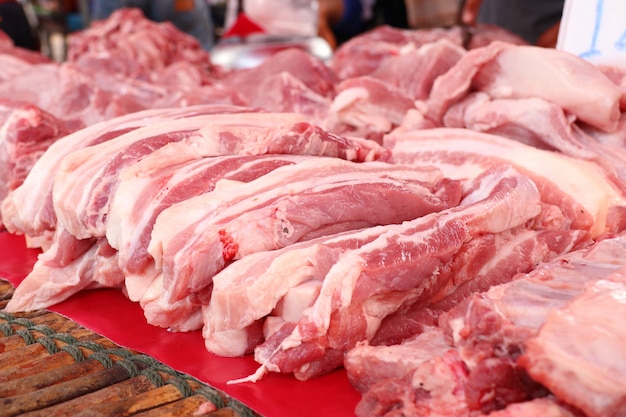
x=229, y=246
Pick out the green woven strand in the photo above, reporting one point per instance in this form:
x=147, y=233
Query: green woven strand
x=149, y=361
x=42, y=328
x=28, y=337
x=182, y=385
x=212, y=395
x=5, y=315
x=6, y=329
x=65, y=338
x=75, y=352
x=92, y=346
x=104, y=358
x=23, y=322
x=49, y=344
x=153, y=376
x=121, y=352
x=130, y=366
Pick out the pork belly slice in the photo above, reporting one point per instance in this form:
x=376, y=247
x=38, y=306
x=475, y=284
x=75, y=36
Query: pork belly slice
x=579, y=352
x=547, y=126
x=88, y=178
x=502, y=71
x=408, y=264
x=29, y=209
x=164, y=178
x=195, y=239
x=577, y=191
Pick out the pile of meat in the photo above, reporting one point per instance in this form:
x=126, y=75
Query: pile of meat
x=448, y=224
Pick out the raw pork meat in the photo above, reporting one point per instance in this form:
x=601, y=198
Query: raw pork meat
x=129, y=44
x=363, y=54
x=279, y=284
x=576, y=191
x=309, y=70
x=96, y=168
x=415, y=71
x=501, y=70
x=367, y=107
x=283, y=92
x=29, y=210
x=407, y=264
x=162, y=179
x=519, y=251
x=546, y=127
x=292, y=203
x=486, y=333
x=422, y=377
x=25, y=133
x=579, y=352
x=49, y=283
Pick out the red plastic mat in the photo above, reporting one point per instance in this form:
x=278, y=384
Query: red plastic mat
x=112, y=315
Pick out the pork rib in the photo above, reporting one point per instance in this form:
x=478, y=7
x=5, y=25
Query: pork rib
x=579, y=353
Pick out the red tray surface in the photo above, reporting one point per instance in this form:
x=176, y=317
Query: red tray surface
x=112, y=315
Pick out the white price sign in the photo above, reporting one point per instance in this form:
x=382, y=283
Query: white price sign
x=595, y=30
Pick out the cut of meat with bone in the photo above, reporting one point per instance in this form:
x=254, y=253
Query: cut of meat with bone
x=587, y=196
x=509, y=313
x=423, y=376
x=520, y=250
x=501, y=70
x=29, y=208
x=366, y=365
x=292, y=203
x=488, y=333
x=579, y=351
x=491, y=330
x=408, y=264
